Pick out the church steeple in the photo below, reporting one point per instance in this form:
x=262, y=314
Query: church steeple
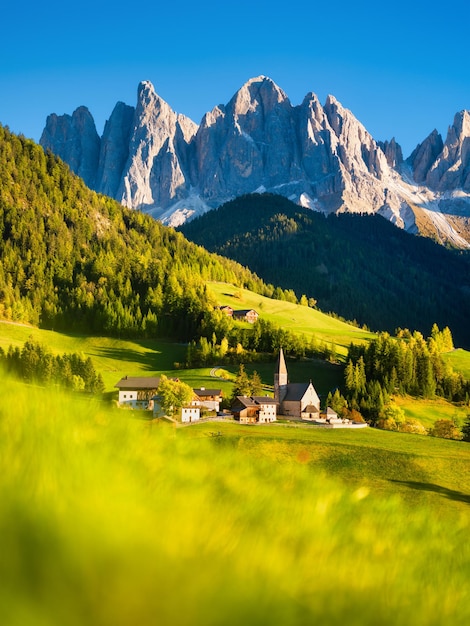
x=280, y=378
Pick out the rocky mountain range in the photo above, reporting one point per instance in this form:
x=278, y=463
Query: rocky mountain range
x=153, y=159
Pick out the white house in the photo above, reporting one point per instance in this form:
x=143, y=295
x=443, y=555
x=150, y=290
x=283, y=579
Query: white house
x=254, y=410
x=137, y=392
x=190, y=414
x=267, y=409
x=207, y=398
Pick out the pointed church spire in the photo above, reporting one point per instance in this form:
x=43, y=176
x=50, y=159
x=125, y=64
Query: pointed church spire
x=280, y=378
x=281, y=364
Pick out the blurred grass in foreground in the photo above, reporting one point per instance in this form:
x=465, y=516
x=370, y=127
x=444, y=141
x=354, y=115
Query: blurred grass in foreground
x=107, y=520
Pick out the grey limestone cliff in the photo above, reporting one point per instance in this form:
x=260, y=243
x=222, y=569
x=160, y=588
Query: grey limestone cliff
x=451, y=169
x=156, y=160
x=74, y=139
x=114, y=149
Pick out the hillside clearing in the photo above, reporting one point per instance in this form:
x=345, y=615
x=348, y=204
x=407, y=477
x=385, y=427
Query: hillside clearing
x=300, y=319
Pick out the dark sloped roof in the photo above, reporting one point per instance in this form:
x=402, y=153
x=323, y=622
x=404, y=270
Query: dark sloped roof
x=138, y=382
x=207, y=392
x=311, y=408
x=296, y=391
x=264, y=400
x=245, y=401
x=244, y=311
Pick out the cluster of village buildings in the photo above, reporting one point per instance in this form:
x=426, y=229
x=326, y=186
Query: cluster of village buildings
x=295, y=401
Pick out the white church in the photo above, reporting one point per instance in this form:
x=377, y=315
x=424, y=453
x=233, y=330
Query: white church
x=300, y=401
x=295, y=400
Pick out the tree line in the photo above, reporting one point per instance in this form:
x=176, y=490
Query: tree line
x=405, y=364
x=34, y=363
x=224, y=341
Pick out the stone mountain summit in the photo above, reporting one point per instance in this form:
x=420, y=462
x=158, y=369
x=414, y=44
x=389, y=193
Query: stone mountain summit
x=153, y=159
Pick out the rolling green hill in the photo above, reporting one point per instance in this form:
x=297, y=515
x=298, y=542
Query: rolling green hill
x=361, y=267
x=460, y=361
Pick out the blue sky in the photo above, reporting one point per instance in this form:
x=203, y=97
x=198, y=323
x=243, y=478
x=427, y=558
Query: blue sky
x=402, y=68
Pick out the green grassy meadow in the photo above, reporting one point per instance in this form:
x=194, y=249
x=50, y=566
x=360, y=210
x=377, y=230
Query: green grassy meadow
x=428, y=411
x=300, y=319
x=115, y=358
x=110, y=520
x=460, y=361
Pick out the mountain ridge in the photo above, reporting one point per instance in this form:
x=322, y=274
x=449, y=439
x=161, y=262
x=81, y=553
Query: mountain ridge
x=320, y=157
x=360, y=267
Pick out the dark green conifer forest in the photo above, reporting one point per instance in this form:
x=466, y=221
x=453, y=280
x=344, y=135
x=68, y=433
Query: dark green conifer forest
x=360, y=267
x=75, y=260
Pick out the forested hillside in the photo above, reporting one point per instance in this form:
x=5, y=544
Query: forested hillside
x=72, y=259
x=361, y=267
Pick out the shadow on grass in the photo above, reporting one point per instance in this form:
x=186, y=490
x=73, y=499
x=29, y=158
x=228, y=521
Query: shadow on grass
x=450, y=494
x=150, y=360
x=147, y=360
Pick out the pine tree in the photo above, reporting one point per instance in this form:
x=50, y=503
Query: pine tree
x=256, y=384
x=466, y=429
x=242, y=385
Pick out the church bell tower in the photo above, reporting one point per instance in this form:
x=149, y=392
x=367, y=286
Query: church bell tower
x=280, y=379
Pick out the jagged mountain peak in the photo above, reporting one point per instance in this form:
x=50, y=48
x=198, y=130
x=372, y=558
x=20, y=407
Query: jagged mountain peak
x=149, y=103
x=451, y=168
x=392, y=151
x=462, y=122
x=424, y=155
x=75, y=140
x=257, y=92
x=322, y=157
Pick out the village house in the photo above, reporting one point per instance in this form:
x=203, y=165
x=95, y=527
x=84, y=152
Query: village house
x=245, y=315
x=254, y=410
x=209, y=399
x=137, y=392
x=190, y=414
x=140, y=392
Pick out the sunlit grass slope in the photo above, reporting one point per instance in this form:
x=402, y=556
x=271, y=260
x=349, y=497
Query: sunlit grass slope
x=460, y=361
x=115, y=358
x=425, y=470
x=299, y=319
x=108, y=520
x=112, y=357
x=428, y=411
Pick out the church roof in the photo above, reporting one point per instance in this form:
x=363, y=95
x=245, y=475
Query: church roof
x=296, y=391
